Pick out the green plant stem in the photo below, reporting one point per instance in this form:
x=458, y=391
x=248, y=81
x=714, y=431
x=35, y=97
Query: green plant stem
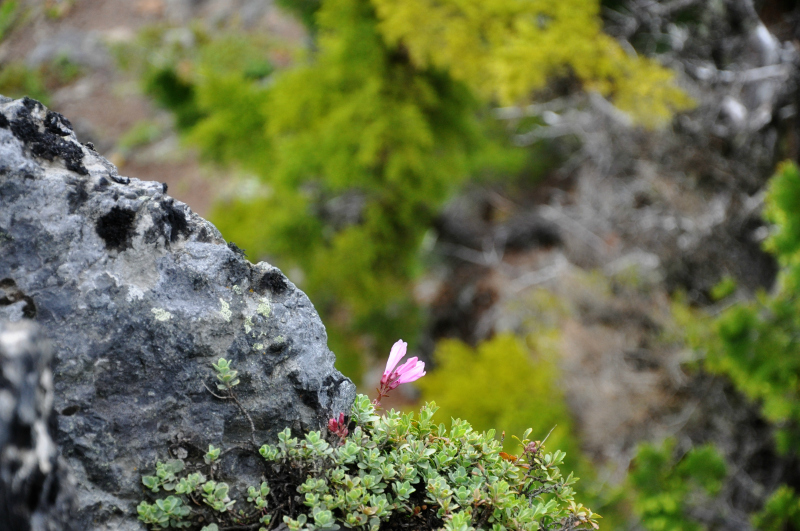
x=232, y=395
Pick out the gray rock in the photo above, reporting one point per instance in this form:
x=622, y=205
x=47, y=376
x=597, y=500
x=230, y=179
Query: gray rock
x=36, y=488
x=84, y=48
x=140, y=296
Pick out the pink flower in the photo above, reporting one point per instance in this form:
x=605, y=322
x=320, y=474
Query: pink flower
x=411, y=370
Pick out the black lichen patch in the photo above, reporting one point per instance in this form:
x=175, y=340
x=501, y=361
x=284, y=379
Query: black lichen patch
x=4, y=121
x=55, y=123
x=48, y=143
x=200, y=283
x=169, y=222
x=272, y=281
x=31, y=104
x=175, y=219
x=11, y=294
x=120, y=179
x=116, y=228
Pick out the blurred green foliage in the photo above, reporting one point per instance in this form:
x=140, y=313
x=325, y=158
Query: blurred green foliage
x=305, y=10
x=757, y=344
x=502, y=385
x=9, y=12
x=507, y=49
x=724, y=288
x=362, y=140
x=781, y=512
x=181, y=68
x=57, y=9
x=18, y=79
x=667, y=485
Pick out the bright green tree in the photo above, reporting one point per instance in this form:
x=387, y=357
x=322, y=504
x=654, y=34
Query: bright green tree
x=507, y=50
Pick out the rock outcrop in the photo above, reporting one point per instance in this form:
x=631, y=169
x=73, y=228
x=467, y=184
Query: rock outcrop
x=37, y=492
x=139, y=296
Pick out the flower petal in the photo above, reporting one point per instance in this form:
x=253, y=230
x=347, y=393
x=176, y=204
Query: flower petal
x=396, y=354
x=412, y=373
x=409, y=364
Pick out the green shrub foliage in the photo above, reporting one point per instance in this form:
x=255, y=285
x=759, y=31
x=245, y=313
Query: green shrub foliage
x=392, y=471
x=781, y=512
x=757, y=344
x=667, y=487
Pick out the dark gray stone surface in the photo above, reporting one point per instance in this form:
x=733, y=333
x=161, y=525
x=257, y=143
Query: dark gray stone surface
x=37, y=492
x=139, y=296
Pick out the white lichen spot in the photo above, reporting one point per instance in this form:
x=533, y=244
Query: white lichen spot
x=237, y=290
x=258, y=346
x=248, y=324
x=279, y=339
x=225, y=310
x=134, y=293
x=264, y=308
x=161, y=314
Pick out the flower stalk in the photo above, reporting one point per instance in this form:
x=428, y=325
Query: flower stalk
x=411, y=370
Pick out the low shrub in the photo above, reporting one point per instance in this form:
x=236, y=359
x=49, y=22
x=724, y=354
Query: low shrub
x=372, y=471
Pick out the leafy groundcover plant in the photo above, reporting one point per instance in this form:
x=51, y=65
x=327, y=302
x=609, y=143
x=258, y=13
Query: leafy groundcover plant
x=374, y=471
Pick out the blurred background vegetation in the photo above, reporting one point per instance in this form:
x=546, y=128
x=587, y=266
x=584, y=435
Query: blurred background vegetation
x=568, y=208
